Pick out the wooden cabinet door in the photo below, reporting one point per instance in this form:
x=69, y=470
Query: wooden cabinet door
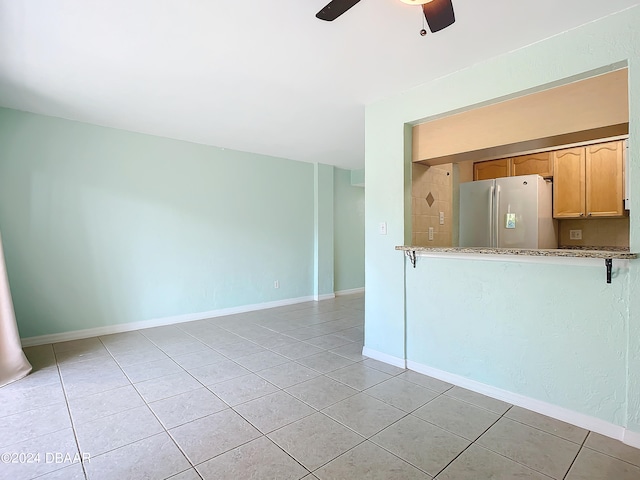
x=569, y=183
x=491, y=169
x=538, y=163
x=605, y=182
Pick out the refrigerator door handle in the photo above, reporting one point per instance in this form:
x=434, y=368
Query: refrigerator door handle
x=496, y=214
x=491, y=219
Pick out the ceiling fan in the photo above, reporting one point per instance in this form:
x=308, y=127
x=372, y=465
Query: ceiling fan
x=439, y=13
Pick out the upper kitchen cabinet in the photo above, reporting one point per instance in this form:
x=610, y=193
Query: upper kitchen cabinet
x=535, y=164
x=605, y=180
x=492, y=169
x=539, y=163
x=589, y=181
x=569, y=183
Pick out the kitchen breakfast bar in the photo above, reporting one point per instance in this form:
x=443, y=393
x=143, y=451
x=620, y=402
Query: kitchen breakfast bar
x=540, y=329
x=516, y=254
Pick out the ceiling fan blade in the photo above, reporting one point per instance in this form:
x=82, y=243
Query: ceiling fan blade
x=334, y=9
x=439, y=14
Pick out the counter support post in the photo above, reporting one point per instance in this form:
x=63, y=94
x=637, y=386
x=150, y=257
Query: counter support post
x=608, y=262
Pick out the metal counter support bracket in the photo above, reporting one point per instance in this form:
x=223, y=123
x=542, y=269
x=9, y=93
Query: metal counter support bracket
x=412, y=257
x=608, y=262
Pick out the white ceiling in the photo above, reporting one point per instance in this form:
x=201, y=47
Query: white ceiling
x=258, y=76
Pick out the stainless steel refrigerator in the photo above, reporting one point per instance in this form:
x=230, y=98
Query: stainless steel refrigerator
x=510, y=212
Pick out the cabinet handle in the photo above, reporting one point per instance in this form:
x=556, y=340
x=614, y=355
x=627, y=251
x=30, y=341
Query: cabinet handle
x=581, y=214
x=589, y=213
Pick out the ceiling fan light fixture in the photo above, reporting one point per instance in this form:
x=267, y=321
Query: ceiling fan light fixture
x=416, y=2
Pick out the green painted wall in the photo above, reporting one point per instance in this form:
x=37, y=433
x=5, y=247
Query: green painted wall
x=348, y=215
x=102, y=226
x=557, y=333
x=323, y=228
x=357, y=177
x=507, y=325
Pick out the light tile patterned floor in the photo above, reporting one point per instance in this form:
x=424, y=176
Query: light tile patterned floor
x=276, y=394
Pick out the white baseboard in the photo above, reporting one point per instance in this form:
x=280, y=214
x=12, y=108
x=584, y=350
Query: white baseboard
x=384, y=357
x=631, y=438
x=351, y=291
x=326, y=296
x=158, y=322
x=559, y=413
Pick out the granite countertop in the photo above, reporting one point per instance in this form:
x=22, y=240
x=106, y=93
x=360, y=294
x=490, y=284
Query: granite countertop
x=590, y=247
x=563, y=252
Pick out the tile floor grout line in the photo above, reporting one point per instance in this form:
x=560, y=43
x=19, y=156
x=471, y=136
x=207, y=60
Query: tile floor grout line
x=187, y=372
x=146, y=404
x=175, y=442
x=66, y=399
x=184, y=471
x=238, y=413
x=576, y=456
x=322, y=373
x=236, y=378
x=168, y=433
x=272, y=442
x=262, y=434
x=637, y=465
x=370, y=436
x=416, y=466
x=476, y=405
x=328, y=406
x=504, y=456
x=316, y=336
x=364, y=440
x=126, y=410
x=33, y=409
x=473, y=442
x=398, y=408
x=294, y=328
x=193, y=336
x=162, y=350
x=181, y=450
x=129, y=443
x=550, y=433
x=282, y=426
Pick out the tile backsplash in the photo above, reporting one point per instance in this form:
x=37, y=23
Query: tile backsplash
x=596, y=232
x=431, y=194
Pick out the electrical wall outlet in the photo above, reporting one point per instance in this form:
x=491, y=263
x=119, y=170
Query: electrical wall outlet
x=575, y=234
x=382, y=228
x=430, y=233
x=441, y=218
x=276, y=284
